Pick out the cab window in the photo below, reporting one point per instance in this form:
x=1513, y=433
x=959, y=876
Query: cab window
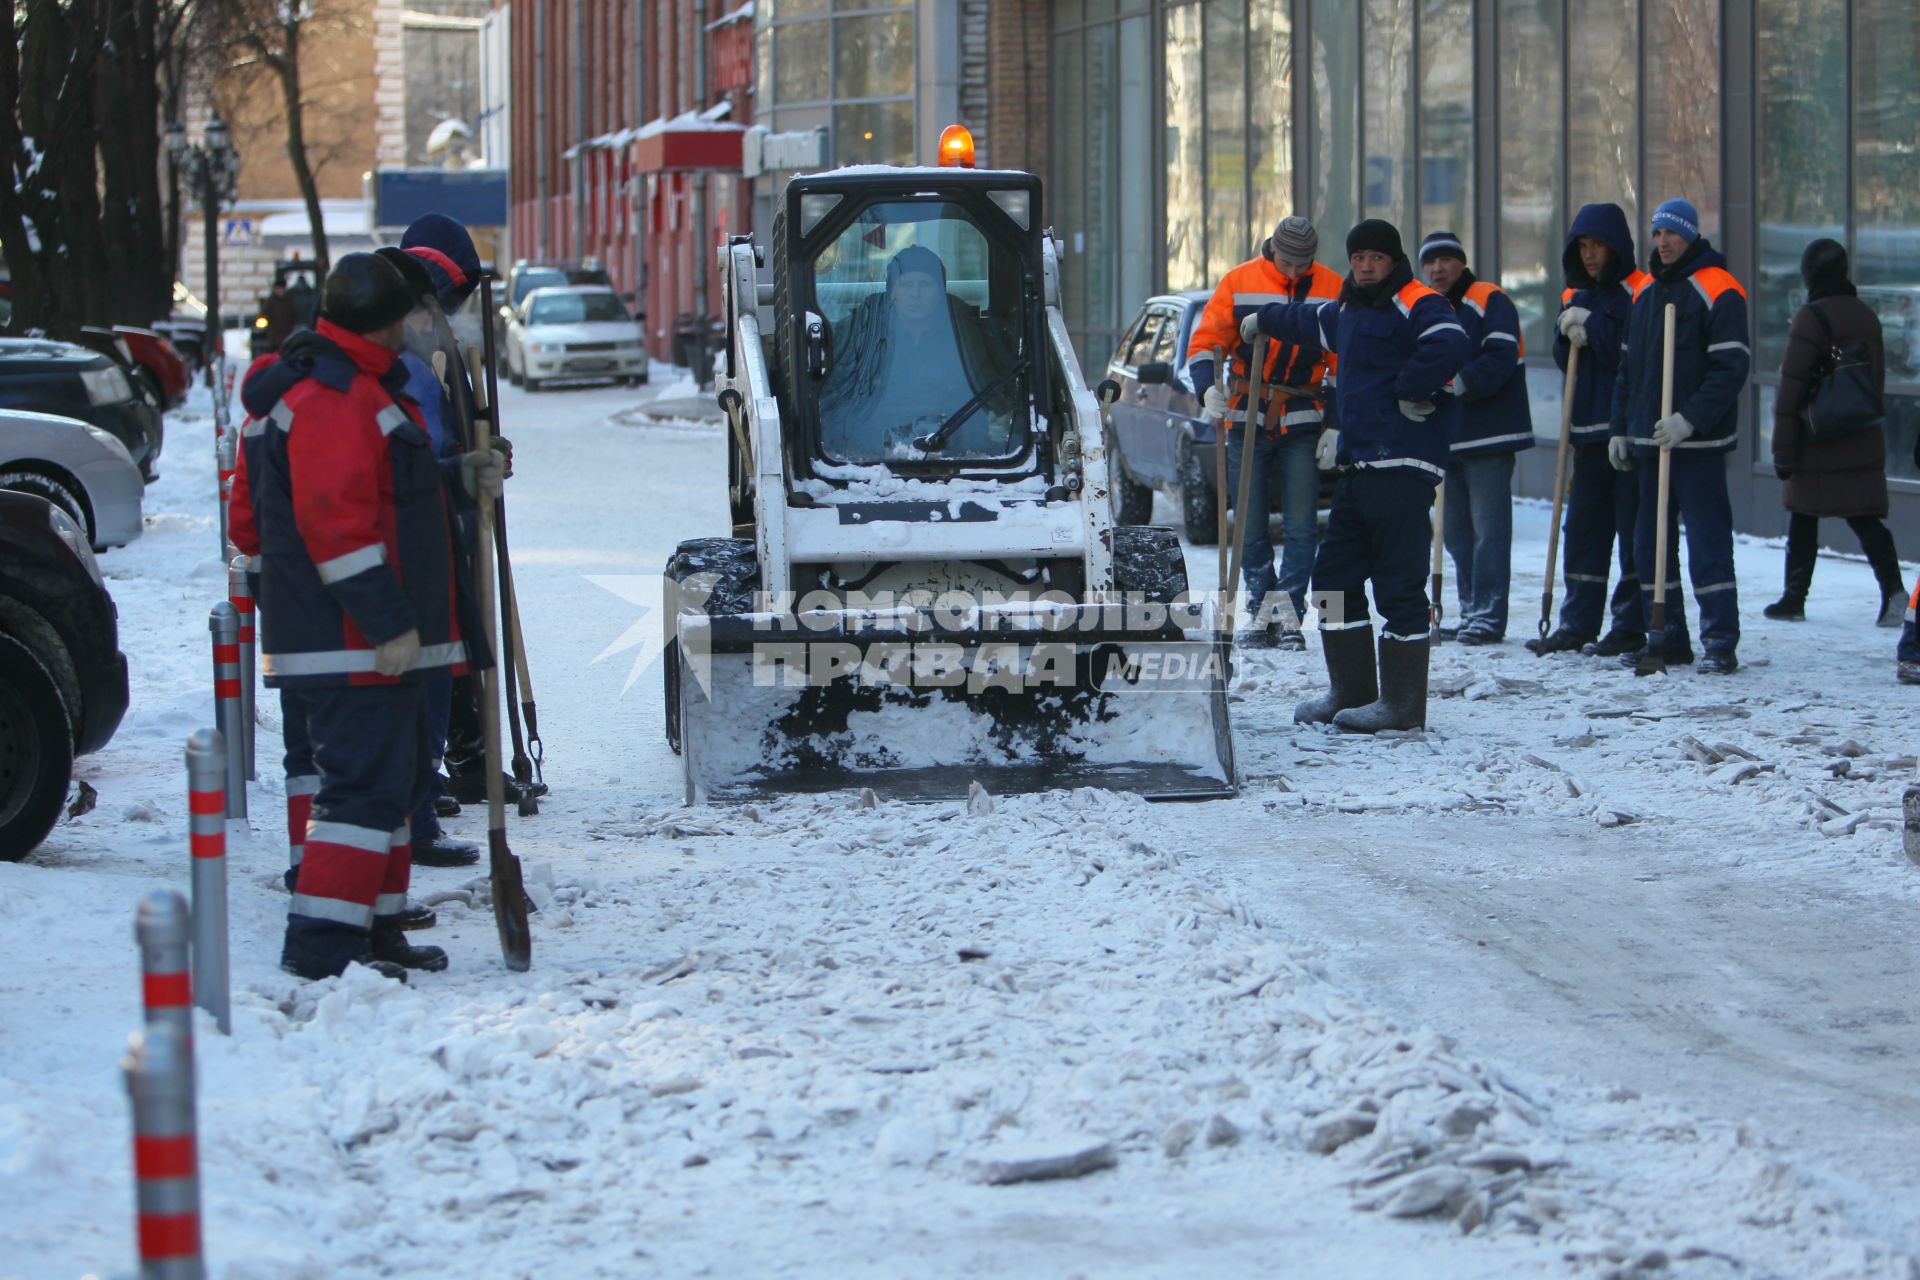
x=1165, y=347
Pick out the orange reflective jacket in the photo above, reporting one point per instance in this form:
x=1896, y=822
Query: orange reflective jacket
x=1297, y=371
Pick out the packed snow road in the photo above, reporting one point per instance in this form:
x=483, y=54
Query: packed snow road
x=1568, y=985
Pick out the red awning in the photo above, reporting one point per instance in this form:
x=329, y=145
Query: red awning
x=691, y=146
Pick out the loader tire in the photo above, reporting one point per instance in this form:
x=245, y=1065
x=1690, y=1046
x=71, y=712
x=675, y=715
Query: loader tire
x=1199, y=505
x=1147, y=559
x=728, y=569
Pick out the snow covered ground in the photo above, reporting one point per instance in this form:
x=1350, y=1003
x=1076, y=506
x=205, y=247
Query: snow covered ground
x=1567, y=985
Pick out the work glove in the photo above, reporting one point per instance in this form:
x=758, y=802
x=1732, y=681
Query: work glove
x=1620, y=453
x=1573, y=325
x=503, y=446
x=399, y=655
x=1458, y=387
x=1327, y=449
x=1781, y=473
x=1671, y=430
x=483, y=469
x=1216, y=404
x=1418, y=410
x=1250, y=327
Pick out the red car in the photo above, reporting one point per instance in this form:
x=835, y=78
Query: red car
x=157, y=358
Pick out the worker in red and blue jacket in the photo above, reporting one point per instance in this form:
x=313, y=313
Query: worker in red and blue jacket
x=360, y=603
x=1399, y=344
x=1602, y=503
x=1710, y=365
x=1493, y=424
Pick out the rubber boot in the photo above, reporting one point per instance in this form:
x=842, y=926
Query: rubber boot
x=1560, y=640
x=1350, y=675
x=390, y=944
x=1403, y=691
x=1617, y=641
x=1792, y=604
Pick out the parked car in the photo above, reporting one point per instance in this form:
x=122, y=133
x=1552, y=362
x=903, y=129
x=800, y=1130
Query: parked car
x=159, y=362
x=1158, y=441
x=61, y=378
x=572, y=332
x=528, y=274
x=63, y=679
x=78, y=468
x=186, y=327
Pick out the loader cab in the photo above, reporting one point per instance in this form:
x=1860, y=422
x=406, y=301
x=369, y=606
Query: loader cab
x=915, y=331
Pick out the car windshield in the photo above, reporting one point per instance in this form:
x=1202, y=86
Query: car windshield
x=925, y=319
x=577, y=308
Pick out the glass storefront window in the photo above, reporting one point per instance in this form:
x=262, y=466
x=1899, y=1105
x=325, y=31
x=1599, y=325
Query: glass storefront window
x=867, y=56
x=1603, y=141
x=1443, y=181
x=1270, y=113
x=1068, y=192
x=873, y=133
x=1186, y=79
x=1682, y=109
x=800, y=62
x=1336, y=120
x=1886, y=195
x=1387, y=46
x=1226, y=98
x=1801, y=150
x=1132, y=156
x=1101, y=211
x=1532, y=220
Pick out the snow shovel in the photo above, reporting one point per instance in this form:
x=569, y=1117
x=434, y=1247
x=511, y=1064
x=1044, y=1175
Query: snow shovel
x=1220, y=476
x=1249, y=442
x=529, y=712
x=1437, y=610
x=1653, y=659
x=1559, y=490
x=509, y=892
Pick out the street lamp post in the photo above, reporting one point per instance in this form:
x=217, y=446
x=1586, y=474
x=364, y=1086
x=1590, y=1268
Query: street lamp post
x=212, y=170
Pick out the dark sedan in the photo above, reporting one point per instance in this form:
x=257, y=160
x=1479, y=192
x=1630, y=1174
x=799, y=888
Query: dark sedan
x=74, y=382
x=1160, y=442
x=63, y=680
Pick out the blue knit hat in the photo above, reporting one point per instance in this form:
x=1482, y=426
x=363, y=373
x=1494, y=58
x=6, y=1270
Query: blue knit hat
x=446, y=248
x=1678, y=215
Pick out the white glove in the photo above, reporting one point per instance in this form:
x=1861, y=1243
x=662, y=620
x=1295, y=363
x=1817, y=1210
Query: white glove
x=1620, y=453
x=1250, y=327
x=1216, y=404
x=1670, y=431
x=1326, y=450
x=1574, y=320
x=483, y=469
x=399, y=655
x=1458, y=387
x=1418, y=410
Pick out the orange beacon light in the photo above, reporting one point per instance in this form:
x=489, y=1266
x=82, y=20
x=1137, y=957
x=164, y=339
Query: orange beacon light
x=956, y=147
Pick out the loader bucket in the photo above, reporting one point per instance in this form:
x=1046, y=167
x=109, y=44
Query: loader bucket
x=919, y=711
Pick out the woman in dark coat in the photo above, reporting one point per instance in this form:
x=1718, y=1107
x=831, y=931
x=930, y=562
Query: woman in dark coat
x=1847, y=475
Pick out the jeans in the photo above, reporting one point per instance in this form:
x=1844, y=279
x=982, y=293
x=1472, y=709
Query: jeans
x=1697, y=491
x=1601, y=507
x=1285, y=464
x=1380, y=529
x=1479, y=536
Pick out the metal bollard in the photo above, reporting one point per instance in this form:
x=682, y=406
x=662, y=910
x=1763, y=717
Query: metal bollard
x=225, y=626
x=166, y=1161
x=164, y=929
x=240, y=596
x=223, y=453
x=207, y=760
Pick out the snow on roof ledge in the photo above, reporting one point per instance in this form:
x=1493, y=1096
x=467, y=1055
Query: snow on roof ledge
x=743, y=14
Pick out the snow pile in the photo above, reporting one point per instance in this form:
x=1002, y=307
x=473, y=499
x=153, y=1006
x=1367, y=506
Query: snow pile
x=855, y=482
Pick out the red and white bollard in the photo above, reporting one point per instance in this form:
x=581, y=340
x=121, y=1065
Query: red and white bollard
x=240, y=596
x=225, y=627
x=164, y=929
x=166, y=1160
x=207, y=772
x=224, y=461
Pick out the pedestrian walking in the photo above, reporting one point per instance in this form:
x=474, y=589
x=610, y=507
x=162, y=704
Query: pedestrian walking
x=1602, y=503
x=358, y=608
x=1399, y=344
x=1295, y=441
x=1710, y=366
x=1840, y=475
x=1493, y=424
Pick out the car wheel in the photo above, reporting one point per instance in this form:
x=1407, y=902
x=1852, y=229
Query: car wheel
x=54, y=491
x=1199, y=507
x=530, y=382
x=36, y=751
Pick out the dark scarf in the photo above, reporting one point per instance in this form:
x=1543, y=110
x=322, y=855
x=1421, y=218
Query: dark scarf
x=1460, y=287
x=1681, y=266
x=1377, y=295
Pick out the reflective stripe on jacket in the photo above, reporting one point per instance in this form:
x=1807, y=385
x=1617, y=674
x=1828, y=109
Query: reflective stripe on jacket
x=1241, y=292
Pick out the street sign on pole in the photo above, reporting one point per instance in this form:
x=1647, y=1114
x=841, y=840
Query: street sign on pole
x=237, y=233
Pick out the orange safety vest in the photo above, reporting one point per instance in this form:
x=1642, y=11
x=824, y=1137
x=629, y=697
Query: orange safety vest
x=1243, y=291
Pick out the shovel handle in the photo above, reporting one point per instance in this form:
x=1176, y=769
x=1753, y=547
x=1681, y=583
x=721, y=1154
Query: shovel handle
x=1657, y=621
x=1225, y=529
x=1559, y=487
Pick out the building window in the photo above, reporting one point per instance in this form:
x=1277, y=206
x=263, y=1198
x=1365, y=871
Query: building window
x=1603, y=102
x=1387, y=111
x=1533, y=220
x=1445, y=176
x=1270, y=114
x=1186, y=150
x=1335, y=126
x=1225, y=82
x=1886, y=196
x=1681, y=119
x=851, y=69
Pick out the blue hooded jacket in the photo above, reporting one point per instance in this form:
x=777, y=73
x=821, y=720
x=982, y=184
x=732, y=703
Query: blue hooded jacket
x=1711, y=358
x=1607, y=302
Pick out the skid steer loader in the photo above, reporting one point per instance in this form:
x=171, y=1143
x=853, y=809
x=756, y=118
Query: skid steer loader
x=926, y=586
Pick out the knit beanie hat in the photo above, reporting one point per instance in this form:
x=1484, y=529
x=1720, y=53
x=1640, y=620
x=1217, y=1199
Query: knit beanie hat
x=1678, y=215
x=364, y=294
x=1294, y=240
x=918, y=258
x=412, y=270
x=1441, y=244
x=1378, y=235
x=444, y=245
